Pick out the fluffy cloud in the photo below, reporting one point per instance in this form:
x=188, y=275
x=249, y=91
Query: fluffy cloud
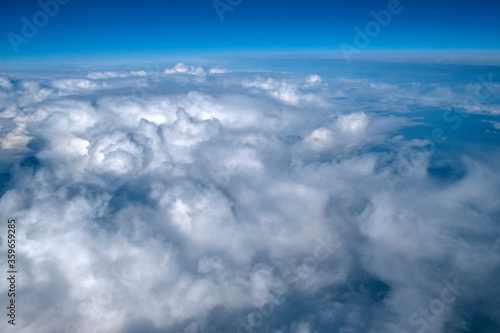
x=180, y=68
x=286, y=91
x=250, y=202
x=320, y=139
x=71, y=85
x=353, y=123
x=313, y=79
x=139, y=73
x=5, y=83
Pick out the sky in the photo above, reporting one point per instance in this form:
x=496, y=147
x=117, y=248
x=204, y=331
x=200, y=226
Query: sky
x=130, y=29
x=268, y=167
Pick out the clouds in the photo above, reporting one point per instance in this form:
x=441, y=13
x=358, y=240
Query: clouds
x=217, y=70
x=5, y=83
x=180, y=68
x=74, y=84
x=353, y=123
x=320, y=139
x=246, y=202
x=495, y=124
x=110, y=74
x=286, y=91
x=313, y=79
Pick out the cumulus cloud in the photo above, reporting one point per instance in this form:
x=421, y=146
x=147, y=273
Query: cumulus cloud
x=320, y=139
x=74, y=84
x=139, y=73
x=286, y=91
x=5, y=83
x=312, y=80
x=250, y=202
x=353, y=123
x=180, y=68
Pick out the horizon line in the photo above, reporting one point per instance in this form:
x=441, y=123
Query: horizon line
x=418, y=55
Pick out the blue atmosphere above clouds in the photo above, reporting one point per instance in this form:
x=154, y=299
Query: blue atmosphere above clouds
x=116, y=28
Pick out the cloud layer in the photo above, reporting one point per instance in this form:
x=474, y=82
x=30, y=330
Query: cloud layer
x=181, y=201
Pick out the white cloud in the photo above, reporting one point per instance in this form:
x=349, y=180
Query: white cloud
x=139, y=73
x=313, y=79
x=15, y=141
x=74, y=84
x=353, y=123
x=106, y=75
x=180, y=68
x=5, y=83
x=284, y=90
x=217, y=70
x=495, y=124
x=193, y=207
x=320, y=139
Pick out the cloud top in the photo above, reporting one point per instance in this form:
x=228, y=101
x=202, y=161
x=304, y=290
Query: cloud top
x=171, y=201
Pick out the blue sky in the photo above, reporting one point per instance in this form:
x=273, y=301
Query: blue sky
x=132, y=29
